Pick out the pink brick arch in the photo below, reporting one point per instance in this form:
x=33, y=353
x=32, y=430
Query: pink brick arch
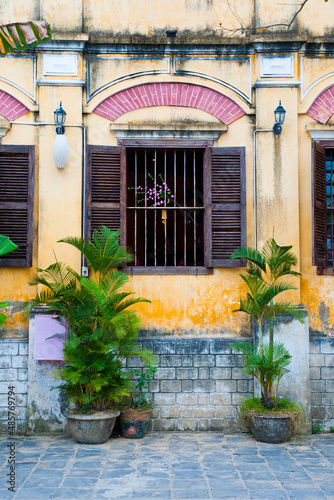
x=10, y=107
x=323, y=107
x=170, y=94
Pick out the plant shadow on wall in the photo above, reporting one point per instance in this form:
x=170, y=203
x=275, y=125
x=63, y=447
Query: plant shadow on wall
x=102, y=332
x=268, y=363
x=6, y=247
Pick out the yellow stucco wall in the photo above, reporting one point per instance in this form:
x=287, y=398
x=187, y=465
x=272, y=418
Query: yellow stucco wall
x=200, y=305
x=148, y=17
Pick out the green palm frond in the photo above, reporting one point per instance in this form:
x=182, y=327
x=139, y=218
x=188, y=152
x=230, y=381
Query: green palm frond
x=295, y=310
x=255, y=285
x=251, y=255
x=104, y=252
x=6, y=245
x=267, y=365
x=249, y=307
x=22, y=36
x=279, y=259
x=55, y=277
x=273, y=290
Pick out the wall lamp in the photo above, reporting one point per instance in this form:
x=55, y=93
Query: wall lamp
x=59, y=118
x=279, y=119
x=61, y=149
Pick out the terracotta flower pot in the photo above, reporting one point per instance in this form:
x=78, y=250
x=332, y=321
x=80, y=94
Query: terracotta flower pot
x=134, y=423
x=91, y=429
x=271, y=428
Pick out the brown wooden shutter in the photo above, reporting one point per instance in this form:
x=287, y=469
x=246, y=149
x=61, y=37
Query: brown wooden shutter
x=103, y=188
x=225, y=205
x=319, y=257
x=17, y=202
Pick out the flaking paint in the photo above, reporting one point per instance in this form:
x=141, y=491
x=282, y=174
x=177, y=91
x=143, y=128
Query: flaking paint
x=197, y=304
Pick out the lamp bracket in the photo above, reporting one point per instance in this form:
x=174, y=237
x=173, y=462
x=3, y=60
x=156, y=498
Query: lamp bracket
x=60, y=130
x=277, y=129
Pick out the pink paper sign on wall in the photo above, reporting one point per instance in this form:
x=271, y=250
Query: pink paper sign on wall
x=45, y=348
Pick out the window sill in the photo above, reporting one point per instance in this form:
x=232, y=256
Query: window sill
x=325, y=271
x=14, y=263
x=136, y=270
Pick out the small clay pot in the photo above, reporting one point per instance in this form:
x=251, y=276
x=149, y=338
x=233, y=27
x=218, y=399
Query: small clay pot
x=271, y=428
x=91, y=429
x=134, y=423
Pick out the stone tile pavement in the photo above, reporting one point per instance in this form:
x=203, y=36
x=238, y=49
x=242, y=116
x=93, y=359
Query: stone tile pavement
x=170, y=466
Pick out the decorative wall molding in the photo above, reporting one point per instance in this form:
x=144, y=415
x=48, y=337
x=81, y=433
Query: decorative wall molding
x=276, y=83
x=18, y=87
x=64, y=45
x=125, y=77
x=304, y=92
x=203, y=131
x=247, y=98
x=5, y=126
x=170, y=94
x=60, y=83
x=320, y=132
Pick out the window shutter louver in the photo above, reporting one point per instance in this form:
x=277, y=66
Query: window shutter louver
x=17, y=202
x=103, y=188
x=225, y=196
x=319, y=257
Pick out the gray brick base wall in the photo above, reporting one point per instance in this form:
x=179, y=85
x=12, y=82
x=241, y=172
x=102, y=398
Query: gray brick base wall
x=198, y=385
x=322, y=381
x=14, y=373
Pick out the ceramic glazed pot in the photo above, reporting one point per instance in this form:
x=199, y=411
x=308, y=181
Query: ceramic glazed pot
x=91, y=429
x=134, y=423
x=271, y=428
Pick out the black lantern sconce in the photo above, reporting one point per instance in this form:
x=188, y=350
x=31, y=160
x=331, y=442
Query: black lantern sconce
x=59, y=118
x=279, y=119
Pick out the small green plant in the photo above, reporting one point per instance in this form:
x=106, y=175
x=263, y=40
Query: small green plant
x=252, y=406
x=317, y=429
x=331, y=429
x=140, y=397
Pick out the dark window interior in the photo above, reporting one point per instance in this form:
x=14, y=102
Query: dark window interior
x=330, y=205
x=165, y=206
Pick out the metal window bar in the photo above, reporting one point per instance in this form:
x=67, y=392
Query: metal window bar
x=195, y=235
x=175, y=206
x=145, y=163
x=165, y=180
x=155, y=203
x=331, y=205
x=185, y=214
x=330, y=208
x=136, y=184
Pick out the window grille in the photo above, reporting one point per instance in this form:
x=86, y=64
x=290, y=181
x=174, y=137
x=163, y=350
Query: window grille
x=330, y=205
x=165, y=206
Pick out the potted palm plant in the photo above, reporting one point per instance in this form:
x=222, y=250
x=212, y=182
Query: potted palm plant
x=101, y=333
x=136, y=415
x=269, y=420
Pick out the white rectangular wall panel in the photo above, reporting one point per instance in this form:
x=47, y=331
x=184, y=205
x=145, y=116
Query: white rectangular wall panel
x=275, y=66
x=60, y=64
